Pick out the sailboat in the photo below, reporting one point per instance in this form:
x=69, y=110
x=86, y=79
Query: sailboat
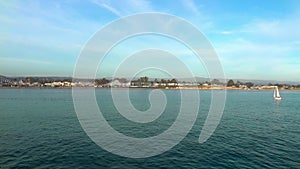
x=276, y=94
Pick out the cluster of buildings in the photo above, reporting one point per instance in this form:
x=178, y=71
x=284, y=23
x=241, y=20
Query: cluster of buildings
x=115, y=83
x=142, y=82
x=53, y=84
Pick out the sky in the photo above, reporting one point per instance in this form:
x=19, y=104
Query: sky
x=253, y=39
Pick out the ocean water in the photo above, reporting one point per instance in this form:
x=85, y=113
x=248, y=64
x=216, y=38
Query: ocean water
x=39, y=129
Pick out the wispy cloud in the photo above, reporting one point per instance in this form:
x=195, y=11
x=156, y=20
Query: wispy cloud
x=249, y=58
x=141, y=5
x=254, y=49
x=226, y=32
x=191, y=6
x=275, y=29
x=123, y=8
x=32, y=25
x=107, y=6
x=12, y=59
x=247, y=39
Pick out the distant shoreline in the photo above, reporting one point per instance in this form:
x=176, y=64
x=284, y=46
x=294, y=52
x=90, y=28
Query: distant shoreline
x=149, y=88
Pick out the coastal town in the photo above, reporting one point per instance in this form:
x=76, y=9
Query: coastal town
x=142, y=82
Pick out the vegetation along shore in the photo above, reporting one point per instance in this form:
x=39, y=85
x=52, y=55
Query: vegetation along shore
x=142, y=82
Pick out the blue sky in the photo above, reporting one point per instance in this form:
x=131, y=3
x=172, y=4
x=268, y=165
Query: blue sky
x=254, y=39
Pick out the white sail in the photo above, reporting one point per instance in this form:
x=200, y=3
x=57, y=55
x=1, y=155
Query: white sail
x=276, y=94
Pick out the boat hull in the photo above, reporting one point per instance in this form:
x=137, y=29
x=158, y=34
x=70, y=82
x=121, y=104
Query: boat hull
x=277, y=98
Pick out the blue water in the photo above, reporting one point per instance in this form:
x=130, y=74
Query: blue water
x=39, y=129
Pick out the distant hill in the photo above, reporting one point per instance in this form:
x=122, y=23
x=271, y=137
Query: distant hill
x=261, y=82
x=2, y=78
x=257, y=82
